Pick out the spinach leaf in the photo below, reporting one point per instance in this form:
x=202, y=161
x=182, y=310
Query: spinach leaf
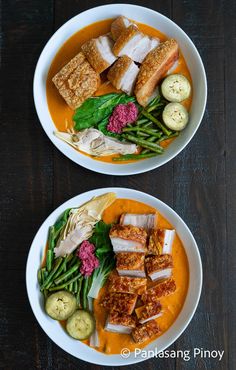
x=101, y=240
x=97, y=108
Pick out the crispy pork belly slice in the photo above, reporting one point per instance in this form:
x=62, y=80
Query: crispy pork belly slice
x=120, y=302
x=154, y=67
x=150, y=311
x=147, y=221
x=127, y=284
x=99, y=53
x=119, y=25
x=161, y=241
x=130, y=264
x=77, y=81
x=159, y=290
x=127, y=41
x=134, y=44
x=145, y=331
x=128, y=238
x=144, y=47
x=120, y=323
x=123, y=74
x=159, y=267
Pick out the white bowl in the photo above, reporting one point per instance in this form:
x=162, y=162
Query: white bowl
x=76, y=348
x=155, y=20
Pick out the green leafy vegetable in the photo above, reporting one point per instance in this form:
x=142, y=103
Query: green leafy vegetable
x=53, y=235
x=101, y=240
x=96, y=109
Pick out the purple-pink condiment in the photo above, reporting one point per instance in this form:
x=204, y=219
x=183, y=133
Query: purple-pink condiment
x=121, y=116
x=87, y=257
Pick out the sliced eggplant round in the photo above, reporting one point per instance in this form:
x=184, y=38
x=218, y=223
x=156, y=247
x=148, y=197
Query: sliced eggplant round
x=175, y=116
x=80, y=325
x=176, y=88
x=60, y=305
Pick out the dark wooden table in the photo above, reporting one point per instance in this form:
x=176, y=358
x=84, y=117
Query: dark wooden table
x=199, y=184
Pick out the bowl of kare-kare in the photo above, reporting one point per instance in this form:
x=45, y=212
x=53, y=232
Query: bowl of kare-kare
x=120, y=89
x=114, y=276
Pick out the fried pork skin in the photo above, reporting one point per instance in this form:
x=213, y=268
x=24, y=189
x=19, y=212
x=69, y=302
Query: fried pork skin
x=147, y=221
x=134, y=44
x=119, y=302
x=145, y=331
x=119, y=25
x=123, y=74
x=130, y=264
x=126, y=284
x=120, y=323
x=128, y=238
x=150, y=311
x=154, y=67
x=161, y=241
x=77, y=81
x=99, y=53
x=159, y=290
x=159, y=267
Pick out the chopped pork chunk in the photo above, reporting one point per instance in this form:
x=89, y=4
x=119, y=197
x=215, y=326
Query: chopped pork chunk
x=77, y=81
x=154, y=67
x=128, y=238
x=134, y=44
x=119, y=25
x=159, y=290
x=159, y=267
x=120, y=302
x=130, y=264
x=120, y=323
x=123, y=74
x=145, y=331
x=99, y=53
x=160, y=241
x=147, y=221
x=126, y=284
x=148, y=312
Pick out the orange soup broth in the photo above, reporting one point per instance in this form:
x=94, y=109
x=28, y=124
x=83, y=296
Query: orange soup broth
x=61, y=113
x=112, y=343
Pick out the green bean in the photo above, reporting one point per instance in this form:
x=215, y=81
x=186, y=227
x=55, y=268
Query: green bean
x=51, y=238
x=129, y=157
x=78, y=300
x=63, y=286
x=75, y=286
x=165, y=137
x=154, y=107
x=147, y=124
x=145, y=151
x=67, y=274
x=144, y=130
x=145, y=144
x=47, y=283
x=49, y=259
x=70, y=287
x=85, y=293
x=151, y=139
x=141, y=121
x=143, y=134
x=73, y=260
x=39, y=276
x=158, y=123
x=63, y=266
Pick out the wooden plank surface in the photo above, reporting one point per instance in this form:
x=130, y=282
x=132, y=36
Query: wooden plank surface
x=200, y=183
